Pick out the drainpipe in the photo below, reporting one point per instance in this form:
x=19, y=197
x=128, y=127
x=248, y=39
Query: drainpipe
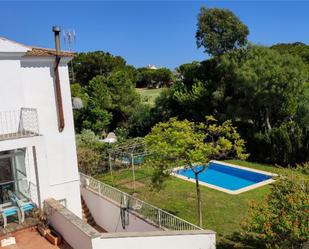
x=57, y=31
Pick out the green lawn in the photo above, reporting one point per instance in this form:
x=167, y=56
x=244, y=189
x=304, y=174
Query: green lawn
x=149, y=95
x=221, y=212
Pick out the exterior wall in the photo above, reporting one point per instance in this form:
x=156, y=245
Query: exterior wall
x=107, y=215
x=155, y=240
x=77, y=233
x=39, y=92
x=11, y=85
x=82, y=236
x=29, y=82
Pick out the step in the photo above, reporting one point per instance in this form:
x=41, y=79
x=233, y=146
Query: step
x=88, y=215
x=85, y=210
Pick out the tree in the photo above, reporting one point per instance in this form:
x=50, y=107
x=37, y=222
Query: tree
x=88, y=65
x=92, y=117
x=163, y=77
x=280, y=222
x=78, y=91
x=140, y=121
x=177, y=143
x=267, y=86
x=154, y=78
x=264, y=92
x=219, y=31
x=296, y=48
x=115, y=94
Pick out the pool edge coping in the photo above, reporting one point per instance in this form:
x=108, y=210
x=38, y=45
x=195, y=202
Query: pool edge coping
x=232, y=192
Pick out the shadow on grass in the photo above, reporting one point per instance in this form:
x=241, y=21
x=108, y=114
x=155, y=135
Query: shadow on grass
x=236, y=241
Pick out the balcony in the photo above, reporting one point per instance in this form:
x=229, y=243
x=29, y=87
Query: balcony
x=18, y=124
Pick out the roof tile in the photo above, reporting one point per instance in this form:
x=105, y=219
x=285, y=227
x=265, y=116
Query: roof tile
x=45, y=52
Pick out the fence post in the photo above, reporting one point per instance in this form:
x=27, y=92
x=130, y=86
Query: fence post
x=159, y=218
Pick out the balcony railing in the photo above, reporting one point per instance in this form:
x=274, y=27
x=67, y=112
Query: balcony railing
x=19, y=123
x=144, y=210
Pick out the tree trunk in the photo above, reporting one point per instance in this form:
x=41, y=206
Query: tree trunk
x=198, y=198
x=268, y=126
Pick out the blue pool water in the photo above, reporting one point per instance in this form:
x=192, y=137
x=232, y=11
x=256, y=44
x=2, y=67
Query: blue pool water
x=225, y=176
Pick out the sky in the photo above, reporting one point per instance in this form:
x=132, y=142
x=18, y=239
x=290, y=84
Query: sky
x=160, y=33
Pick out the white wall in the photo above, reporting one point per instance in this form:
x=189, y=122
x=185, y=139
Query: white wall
x=38, y=82
x=81, y=236
x=107, y=215
x=29, y=82
x=77, y=233
x=11, y=94
x=156, y=240
x=75, y=237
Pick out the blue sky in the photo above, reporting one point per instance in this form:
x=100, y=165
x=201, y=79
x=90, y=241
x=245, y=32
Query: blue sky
x=148, y=32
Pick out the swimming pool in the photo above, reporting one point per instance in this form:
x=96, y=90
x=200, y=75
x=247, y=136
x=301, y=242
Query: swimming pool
x=227, y=177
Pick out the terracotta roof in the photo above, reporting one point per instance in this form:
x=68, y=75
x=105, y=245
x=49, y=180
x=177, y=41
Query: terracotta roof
x=46, y=52
x=40, y=52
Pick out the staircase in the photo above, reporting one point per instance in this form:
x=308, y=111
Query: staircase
x=87, y=217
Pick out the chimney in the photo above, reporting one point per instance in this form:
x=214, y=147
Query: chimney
x=57, y=30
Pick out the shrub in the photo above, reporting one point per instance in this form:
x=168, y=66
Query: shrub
x=88, y=161
x=90, y=152
x=282, y=221
x=88, y=139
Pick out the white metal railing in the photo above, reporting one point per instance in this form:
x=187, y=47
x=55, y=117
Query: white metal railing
x=18, y=123
x=144, y=210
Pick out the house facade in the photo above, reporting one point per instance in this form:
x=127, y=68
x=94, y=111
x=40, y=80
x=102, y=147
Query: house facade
x=37, y=141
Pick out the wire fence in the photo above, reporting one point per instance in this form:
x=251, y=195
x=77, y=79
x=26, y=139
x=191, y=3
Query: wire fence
x=18, y=123
x=144, y=210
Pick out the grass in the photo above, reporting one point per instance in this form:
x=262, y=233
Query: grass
x=221, y=212
x=149, y=95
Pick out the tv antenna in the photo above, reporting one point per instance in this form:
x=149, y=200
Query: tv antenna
x=69, y=37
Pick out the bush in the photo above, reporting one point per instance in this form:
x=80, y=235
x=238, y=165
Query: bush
x=88, y=139
x=121, y=133
x=88, y=161
x=90, y=153
x=282, y=221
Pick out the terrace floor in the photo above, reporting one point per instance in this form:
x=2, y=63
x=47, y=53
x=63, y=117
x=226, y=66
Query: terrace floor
x=13, y=225
x=31, y=239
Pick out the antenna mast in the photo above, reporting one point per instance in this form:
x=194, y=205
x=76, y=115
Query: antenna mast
x=69, y=37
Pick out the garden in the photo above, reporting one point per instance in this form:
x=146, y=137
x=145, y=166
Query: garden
x=245, y=104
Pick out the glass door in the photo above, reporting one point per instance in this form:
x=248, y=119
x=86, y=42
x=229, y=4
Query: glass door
x=6, y=176
x=21, y=182
x=13, y=175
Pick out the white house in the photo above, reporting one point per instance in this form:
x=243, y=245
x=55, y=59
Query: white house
x=37, y=142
